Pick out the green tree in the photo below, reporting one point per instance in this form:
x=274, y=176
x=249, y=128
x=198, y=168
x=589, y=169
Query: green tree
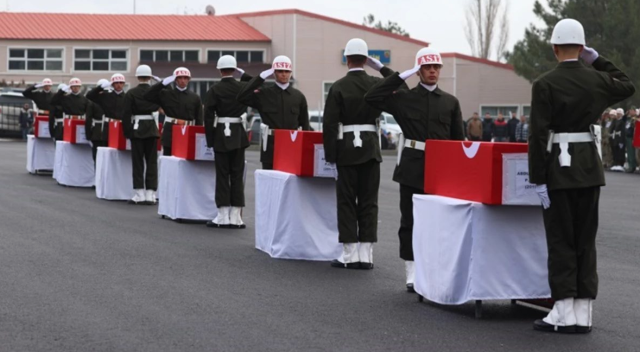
x=610, y=28
x=392, y=27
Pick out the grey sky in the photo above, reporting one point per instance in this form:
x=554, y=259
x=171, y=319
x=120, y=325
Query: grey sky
x=440, y=22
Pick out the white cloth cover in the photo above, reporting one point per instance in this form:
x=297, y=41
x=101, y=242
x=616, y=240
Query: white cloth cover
x=296, y=217
x=186, y=189
x=40, y=154
x=469, y=251
x=73, y=165
x=114, y=175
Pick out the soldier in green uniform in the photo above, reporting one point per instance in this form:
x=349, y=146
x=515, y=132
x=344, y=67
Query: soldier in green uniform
x=225, y=121
x=424, y=112
x=181, y=106
x=110, y=97
x=141, y=128
x=72, y=104
x=41, y=94
x=352, y=142
x=567, y=170
x=281, y=106
x=96, y=127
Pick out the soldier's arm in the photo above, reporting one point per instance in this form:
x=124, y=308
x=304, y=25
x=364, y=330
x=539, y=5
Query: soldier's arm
x=127, y=113
x=539, y=133
x=619, y=84
x=94, y=94
x=28, y=93
x=246, y=77
x=57, y=98
x=457, y=127
x=210, y=103
x=154, y=95
x=382, y=95
x=330, y=126
x=88, y=120
x=52, y=119
x=303, y=117
x=249, y=93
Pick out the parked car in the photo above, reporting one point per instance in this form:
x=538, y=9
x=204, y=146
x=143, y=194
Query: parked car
x=254, y=129
x=315, y=120
x=389, y=124
x=10, y=105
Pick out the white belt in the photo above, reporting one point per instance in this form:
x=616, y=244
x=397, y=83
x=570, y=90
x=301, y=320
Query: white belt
x=408, y=143
x=101, y=122
x=57, y=121
x=138, y=118
x=228, y=121
x=176, y=121
x=265, y=132
x=563, y=140
x=68, y=116
x=355, y=129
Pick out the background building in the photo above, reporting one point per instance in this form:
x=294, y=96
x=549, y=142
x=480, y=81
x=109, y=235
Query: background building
x=91, y=47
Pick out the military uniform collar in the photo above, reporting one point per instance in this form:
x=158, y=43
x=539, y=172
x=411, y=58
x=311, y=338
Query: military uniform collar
x=570, y=64
x=228, y=78
x=182, y=90
x=283, y=87
x=421, y=89
x=356, y=72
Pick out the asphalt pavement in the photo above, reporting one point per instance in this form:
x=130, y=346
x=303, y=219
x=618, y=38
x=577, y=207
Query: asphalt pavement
x=82, y=274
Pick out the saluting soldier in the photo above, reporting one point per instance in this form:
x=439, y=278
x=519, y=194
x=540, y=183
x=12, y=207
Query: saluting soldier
x=181, y=106
x=225, y=121
x=41, y=94
x=352, y=142
x=95, y=127
x=110, y=97
x=567, y=170
x=281, y=106
x=141, y=128
x=424, y=112
x=72, y=104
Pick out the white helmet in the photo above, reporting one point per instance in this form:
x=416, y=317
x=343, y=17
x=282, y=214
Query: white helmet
x=47, y=82
x=282, y=63
x=117, y=78
x=75, y=82
x=101, y=82
x=356, y=46
x=227, y=61
x=428, y=56
x=568, y=31
x=620, y=111
x=182, y=72
x=612, y=112
x=143, y=71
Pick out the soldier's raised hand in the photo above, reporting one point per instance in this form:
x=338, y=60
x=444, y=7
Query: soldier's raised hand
x=374, y=63
x=267, y=73
x=408, y=73
x=589, y=55
x=167, y=81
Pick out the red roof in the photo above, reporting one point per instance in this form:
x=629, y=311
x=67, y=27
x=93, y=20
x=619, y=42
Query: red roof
x=50, y=26
x=329, y=19
x=477, y=59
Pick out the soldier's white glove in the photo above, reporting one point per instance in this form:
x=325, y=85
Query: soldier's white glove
x=105, y=85
x=621, y=145
x=266, y=74
x=408, y=73
x=63, y=87
x=335, y=170
x=39, y=85
x=157, y=79
x=167, y=81
x=543, y=193
x=589, y=55
x=239, y=72
x=374, y=63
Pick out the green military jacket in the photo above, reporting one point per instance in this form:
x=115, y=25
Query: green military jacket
x=55, y=112
x=569, y=99
x=135, y=104
x=183, y=105
x=40, y=97
x=345, y=104
x=221, y=101
x=279, y=109
x=422, y=115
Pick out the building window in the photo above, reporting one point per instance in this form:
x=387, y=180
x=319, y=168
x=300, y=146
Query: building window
x=526, y=110
x=325, y=91
x=170, y=55
x=100, y=60
x=494, y=110
x=35, y=59
x=242, y=56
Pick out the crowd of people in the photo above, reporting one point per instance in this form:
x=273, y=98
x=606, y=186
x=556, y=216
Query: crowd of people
x=514, y=130
x=618, y=129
